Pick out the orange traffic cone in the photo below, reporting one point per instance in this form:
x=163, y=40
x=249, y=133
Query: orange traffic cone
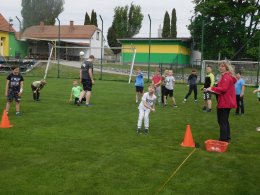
x=5, y=121
x=188, y=139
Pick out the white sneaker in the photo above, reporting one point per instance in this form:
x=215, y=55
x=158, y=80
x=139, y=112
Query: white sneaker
x=185, y=101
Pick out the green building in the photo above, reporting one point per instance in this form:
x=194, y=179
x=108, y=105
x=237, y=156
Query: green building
x=162, y=51
x=17, y=48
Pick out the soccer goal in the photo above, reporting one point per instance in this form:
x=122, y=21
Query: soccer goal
x=248, y=70
x=111, y=63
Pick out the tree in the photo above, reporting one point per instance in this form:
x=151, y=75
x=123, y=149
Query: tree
x=125, y=24
x=166, y=26
x=173, y=24
x=34, y=11
x=112, y=40
x=93, y=19
x=229, y=26
x=135, y=18
x=87, y=19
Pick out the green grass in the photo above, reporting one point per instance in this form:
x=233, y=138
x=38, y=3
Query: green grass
x=59, y=148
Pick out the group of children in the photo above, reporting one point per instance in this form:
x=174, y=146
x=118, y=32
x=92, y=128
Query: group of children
x=14, y=89
x=163, y=86
x=160, y=89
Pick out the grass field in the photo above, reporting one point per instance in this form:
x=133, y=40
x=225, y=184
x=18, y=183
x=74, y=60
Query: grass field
x=59, y=148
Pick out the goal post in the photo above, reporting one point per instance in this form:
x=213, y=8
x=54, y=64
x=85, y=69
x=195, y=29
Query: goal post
x=110, y=62
x=247, y=68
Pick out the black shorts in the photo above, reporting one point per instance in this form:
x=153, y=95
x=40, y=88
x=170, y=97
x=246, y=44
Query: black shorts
x=207, y=95
x=87, y=85
x=13, y=95
x=168, y=92
x=139, y=89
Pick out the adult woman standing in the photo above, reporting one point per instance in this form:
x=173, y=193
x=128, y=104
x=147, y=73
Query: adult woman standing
x=226, y=98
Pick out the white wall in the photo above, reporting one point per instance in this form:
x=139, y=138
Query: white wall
x=95, y=43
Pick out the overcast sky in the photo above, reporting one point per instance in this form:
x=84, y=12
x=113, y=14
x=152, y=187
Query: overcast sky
x=75, y=10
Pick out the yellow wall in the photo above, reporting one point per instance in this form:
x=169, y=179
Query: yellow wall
x=5, y=38
x=177, y=49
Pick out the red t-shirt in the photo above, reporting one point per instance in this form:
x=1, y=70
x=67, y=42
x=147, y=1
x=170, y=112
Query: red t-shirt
x=156, y=79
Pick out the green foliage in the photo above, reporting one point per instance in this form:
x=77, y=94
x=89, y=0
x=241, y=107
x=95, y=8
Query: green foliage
x=112, y=40
x=126, y=23
x=34, y=11
x=174, y=24
x=135, y=18
x=87, y=19
x=166, y=31
x=229, y=27
x=57, y=148
x=93, y=19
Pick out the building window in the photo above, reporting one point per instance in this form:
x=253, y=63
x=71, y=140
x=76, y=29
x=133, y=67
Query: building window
x=98, y=33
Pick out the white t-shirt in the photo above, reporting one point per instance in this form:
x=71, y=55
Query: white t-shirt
x=169, y=80
x=150, y=100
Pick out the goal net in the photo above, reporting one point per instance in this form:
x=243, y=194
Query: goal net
x=116, y=63
x=248, y=70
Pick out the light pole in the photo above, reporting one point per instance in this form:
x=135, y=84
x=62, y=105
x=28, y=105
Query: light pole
x=101, y=65
x=149, y=54
x=58, y=48
x=20, y=26
x=258, y=65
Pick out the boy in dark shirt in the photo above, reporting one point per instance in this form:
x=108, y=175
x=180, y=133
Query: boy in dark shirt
x=192, y=82
x=14, y=89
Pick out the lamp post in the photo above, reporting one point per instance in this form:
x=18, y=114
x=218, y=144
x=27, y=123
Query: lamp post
x=20, y=26
x=258, y=65
x=149, y=54
x=101, y=65
x=58, y=48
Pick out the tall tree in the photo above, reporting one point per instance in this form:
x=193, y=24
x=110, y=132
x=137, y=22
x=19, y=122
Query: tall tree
x=35, y=11
x=135, y=18
x=229, y=26
x=93, y=19
x=126, y=23
x=112, y=40
x=87, y=19
x=166, y=26
x=174, y=24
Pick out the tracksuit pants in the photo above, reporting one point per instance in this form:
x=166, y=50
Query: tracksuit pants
x=223, y=114
x=240, y=104
x=192, y=88
x=143, y=114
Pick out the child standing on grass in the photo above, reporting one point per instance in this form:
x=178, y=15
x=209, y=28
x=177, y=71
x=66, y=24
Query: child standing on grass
x=192, y=83
x=169, y=86
x=163, y=84
x=258, y=93
x=36, y=87
x=240, y=91
x=157, y=80
x=209, y=82
x=139, y=85
x=14, y=89
x=75, y=93
x=146, y=105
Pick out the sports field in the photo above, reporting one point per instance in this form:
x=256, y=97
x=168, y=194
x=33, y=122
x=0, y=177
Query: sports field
x=58, y=148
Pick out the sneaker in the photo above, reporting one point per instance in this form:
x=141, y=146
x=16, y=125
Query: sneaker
x=208, y=110
x=78, y=103
x=146, y=131
x=18, y=114
x=89, y=105
x=185, y=101
x=138, y=131
x=195, y=101
x=175, y=106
